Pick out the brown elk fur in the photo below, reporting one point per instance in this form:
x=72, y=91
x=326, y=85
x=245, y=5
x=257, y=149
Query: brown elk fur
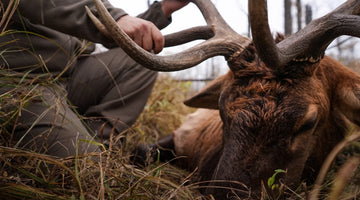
x=288, y=119
x=203, y=126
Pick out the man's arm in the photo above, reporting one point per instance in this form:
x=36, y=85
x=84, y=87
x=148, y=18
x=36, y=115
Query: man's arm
x=69, y=16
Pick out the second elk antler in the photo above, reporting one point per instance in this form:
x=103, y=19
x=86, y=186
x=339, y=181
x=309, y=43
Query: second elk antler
x=310, y=43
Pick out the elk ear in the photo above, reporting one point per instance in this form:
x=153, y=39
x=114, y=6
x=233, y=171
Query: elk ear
x=209, y=96
x=350, y=102
x=348, y=96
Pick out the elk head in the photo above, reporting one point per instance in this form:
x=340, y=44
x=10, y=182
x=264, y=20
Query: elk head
x=283, y=105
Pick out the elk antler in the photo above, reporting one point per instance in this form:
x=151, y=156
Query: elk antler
x=310, y=43
x=222, y=40
x=182, y=37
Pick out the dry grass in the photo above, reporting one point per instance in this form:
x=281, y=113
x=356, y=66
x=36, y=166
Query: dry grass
x=28, y=175
x=165, y=110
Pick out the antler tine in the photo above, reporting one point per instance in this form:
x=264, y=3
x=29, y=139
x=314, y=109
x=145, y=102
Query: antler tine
x=191, y=34
x=97, y=23
x=225, y=45
x=210, y=13
x=310, y=43
x=262, y=37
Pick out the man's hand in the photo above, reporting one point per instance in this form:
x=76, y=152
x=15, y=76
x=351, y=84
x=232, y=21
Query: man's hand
x=170, y=6
x=143, y=32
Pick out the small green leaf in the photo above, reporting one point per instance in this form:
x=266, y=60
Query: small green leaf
x=271, y=180
x=280, y=171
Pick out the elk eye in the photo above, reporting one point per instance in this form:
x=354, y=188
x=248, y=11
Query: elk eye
x=310, y=119
x=308, y=125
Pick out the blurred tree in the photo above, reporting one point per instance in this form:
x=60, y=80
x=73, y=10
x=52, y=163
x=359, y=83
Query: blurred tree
x=288, y=17
x=299, y=14
x=308, y=14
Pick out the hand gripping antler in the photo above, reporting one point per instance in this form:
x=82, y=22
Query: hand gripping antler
x=221, y=40
x=310, y=43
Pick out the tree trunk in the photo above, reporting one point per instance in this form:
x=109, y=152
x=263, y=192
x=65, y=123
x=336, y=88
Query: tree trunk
x=299, y=14
x=288, y=17
x=308, y=14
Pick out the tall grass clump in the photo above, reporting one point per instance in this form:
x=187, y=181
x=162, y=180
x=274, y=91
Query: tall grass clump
x=165, y=110
x=28, y=175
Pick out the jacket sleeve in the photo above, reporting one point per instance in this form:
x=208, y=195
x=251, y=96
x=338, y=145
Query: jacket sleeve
x=69, y=16
x=156, y=16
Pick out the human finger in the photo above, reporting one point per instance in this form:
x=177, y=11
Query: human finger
x=158, y=40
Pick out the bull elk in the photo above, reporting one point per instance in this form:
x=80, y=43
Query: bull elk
x=282, y=105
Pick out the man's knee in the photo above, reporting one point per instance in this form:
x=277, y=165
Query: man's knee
x=48, y=125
